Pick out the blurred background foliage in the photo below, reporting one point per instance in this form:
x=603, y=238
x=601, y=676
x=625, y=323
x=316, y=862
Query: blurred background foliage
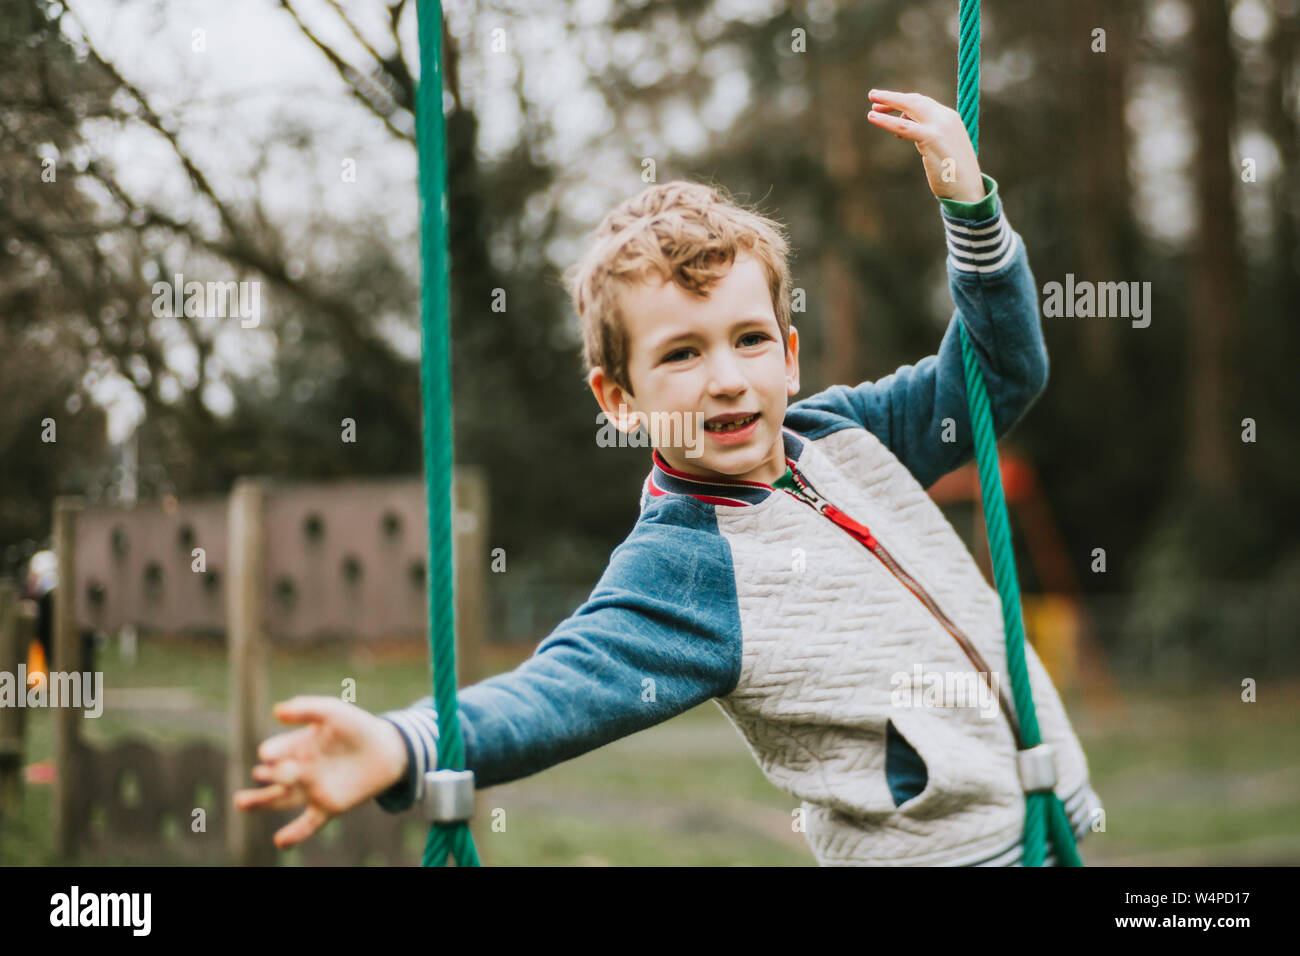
x=1117, y=164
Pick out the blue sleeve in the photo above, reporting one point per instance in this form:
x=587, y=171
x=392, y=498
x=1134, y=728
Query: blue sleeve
x=909, y=410
x=659, y=634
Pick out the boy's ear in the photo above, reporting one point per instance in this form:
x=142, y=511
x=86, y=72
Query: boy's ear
x=612, y=399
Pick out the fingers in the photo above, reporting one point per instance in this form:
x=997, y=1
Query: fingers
x=302, y=827
x=290, y=743
x=900, y=127
x=280, y=797
x=328, y=718
x=290, y=765
x=924, y=118
x=308, y=709
x=275, y=797
x=917, y=106
x=288, y=772
x=914, y=106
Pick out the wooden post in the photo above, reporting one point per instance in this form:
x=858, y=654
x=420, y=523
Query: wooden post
x=12, y=653
x=248, y=834
x=66, y=656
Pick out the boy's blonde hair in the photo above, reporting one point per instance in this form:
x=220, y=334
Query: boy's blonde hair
x=686, y=232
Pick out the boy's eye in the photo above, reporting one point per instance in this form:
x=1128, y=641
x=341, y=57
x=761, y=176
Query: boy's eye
x=672, y=356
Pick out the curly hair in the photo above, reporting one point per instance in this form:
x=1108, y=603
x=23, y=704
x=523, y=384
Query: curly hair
x=686, y=232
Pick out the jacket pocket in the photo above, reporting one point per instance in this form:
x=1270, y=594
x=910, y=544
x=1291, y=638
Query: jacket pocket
x=954, y=778
x=905, y=771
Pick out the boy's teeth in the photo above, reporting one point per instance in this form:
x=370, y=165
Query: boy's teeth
x=732, y=426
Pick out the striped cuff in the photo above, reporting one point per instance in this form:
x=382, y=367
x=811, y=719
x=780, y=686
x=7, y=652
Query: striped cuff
x=1080, y=809
x=980, y=208
x=980, y=248
x=418, y=726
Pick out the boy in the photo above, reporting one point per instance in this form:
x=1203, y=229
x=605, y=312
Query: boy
x=792, y=568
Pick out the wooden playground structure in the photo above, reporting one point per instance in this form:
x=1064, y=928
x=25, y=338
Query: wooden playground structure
x=284, y=565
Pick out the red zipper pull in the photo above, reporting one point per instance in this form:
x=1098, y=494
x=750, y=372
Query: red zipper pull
x=859, y=531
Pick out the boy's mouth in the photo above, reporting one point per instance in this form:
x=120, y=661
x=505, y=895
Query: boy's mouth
x=730, y=423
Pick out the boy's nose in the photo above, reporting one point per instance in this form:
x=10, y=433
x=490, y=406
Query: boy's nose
x=725, y=377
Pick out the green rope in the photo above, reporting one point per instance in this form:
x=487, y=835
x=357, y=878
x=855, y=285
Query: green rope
x=435, y=388
x=1045, y=816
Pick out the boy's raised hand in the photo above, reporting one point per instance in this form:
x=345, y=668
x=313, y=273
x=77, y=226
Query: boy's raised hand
x=344, y=757
x=940, y=137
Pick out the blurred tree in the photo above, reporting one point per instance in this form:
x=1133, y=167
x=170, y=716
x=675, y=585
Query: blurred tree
x=509, y=342
x=333, y=360
x=51, y=436
x=770, y=104
x=1130, y=415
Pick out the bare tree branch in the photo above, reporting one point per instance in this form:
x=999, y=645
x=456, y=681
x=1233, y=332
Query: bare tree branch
x=245, y=248
x=355, y=31
x=396, y=65
x=373, y=98
x=155, y=122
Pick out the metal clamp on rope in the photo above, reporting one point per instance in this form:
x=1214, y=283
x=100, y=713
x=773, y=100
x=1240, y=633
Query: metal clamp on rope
x=448, y=795
x=1037, y=767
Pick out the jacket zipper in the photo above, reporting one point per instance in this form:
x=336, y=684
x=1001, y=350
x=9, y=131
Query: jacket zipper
x=862, y=534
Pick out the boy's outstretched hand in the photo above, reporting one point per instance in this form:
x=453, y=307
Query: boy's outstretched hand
x=345, y=757
x=940, y=137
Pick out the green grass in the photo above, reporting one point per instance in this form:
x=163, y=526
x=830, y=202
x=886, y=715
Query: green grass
x=1197, y=777
x=1187, y=777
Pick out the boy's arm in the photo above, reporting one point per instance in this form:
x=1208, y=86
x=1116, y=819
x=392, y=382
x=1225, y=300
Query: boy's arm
x=659, y=635
x=997, y=299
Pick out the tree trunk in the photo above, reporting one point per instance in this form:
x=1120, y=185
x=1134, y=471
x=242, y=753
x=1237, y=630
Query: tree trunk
x=840, y=361
x=1282, y=129
x=1214, y=286
x=1105, y=244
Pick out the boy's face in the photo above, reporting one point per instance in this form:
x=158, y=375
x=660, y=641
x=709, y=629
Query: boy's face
x=693, y=359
